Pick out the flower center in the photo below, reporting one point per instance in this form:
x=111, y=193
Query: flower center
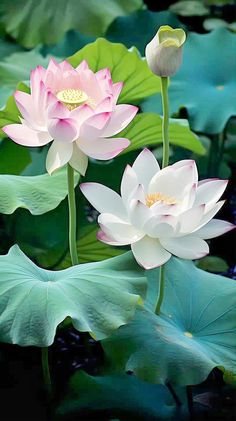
x=72, y=98
x=159, y=197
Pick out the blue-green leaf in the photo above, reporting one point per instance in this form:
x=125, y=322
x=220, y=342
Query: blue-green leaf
x=195, y=332
x=205, y=83
x=99, y=297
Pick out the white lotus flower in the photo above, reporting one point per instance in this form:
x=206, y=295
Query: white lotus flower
x=159, y=212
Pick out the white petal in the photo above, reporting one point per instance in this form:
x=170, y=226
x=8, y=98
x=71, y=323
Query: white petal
x=209, y=191
x=160, y=226
x=149, y=253
x=190, y=219
x=58, y=155
x=186, y=162
x=104, y=199
x=139, y=213
x=79, y=161
x=208, y=215
x=145, y=166
x=187, y=247
x=128, y=183
x=173, y=182
x=122, y=231
x=214, y=228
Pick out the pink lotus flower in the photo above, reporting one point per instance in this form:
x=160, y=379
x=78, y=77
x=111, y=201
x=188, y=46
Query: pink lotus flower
x=159, y=212
x=75, y=108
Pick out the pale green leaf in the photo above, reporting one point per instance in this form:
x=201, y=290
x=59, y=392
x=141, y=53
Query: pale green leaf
x=34, y=301
x=195, y=332
x=39, y=194
x=33, y=22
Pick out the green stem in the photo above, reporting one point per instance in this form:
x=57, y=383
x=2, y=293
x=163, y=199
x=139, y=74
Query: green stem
x=165, y=121
x=165, y=162
x=72, y=216
x=161, y=289
x=46, y=372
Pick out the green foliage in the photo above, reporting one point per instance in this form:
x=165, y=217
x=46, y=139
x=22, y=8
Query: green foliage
x=16, y=68
x=120, y=395
x=138, y=28
x=39, y=194
x=146, y=130
x=206, y=82
x=125, y=65
x=10, y=114
x=14, y=158
x=31, y=22
x=189, y=8
x=212, y=264
x=194, y=333
x=35, y=301
x=90, y=249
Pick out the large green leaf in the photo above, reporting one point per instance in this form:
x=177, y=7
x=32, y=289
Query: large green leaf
x=45, y=22
x=34, y=301
x=120, y=396
x=90, y=249
x=195, y=332
x=206, y=82
x=125, y=65
x=39, y=194
x=138, y=28
x=16, y=68
x=146, y=129
x=13, y=158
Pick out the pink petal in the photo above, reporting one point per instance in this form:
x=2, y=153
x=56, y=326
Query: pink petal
x=57, y=110
x=214, y=228
x=58, y=155
x=103, y=149
x=97, y=121
x=116, y=90
x=24, y=135
x=186, y=247
x=120, y=118
x=106, y=105
x=65, y=66
x=82, y=66
x=79, y=161
x=62, y=129
x=149, y=253
x=37, y=75
x=104, y=199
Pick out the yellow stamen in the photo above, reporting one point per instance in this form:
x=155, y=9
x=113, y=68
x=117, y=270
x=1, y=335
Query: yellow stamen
x=72, y=98
x=159, y=197
x=188, y=334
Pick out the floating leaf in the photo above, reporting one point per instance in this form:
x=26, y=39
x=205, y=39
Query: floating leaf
x=119, y=395
x=138, y=28
x=146, y=129
x=125, y=65
x=89, y=249
x=34, y=301
x=195, y=332
x=13, y=158
x=39, y=194
x=206, y=82
x=45, y=22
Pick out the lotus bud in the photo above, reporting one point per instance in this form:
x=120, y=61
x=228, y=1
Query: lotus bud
x=164, y=51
